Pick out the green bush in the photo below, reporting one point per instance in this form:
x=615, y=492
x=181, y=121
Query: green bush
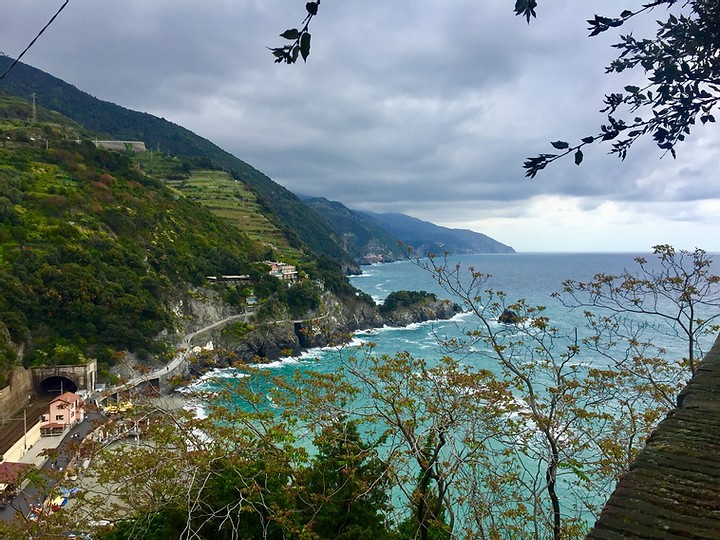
x=405, y=299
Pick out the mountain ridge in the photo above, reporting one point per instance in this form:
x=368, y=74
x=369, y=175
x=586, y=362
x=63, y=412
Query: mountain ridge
x=425, y=236
x=376, y=237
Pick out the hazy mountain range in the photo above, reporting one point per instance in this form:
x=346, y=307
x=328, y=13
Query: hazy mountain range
x=384, y=237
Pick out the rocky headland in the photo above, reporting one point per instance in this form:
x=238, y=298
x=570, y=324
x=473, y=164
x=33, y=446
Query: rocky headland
x=244, y=337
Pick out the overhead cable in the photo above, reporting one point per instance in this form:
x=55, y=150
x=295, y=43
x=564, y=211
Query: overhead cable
x=35, y=39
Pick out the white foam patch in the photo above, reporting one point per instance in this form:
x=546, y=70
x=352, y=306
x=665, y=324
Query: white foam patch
x=283, y=362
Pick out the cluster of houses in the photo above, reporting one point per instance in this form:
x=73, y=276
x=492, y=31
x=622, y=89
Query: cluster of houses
x=60, y=415
x=282, y=271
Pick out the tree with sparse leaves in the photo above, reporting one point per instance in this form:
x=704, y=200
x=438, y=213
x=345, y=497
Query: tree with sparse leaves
x=678, y=298
x=682, y=80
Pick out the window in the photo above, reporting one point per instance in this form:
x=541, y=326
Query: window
x=59, y=417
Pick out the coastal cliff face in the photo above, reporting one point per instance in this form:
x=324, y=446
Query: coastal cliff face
x=198, y=308
x=243, y=338
x=266, y=340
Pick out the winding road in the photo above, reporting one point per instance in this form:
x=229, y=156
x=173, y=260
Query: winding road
x=177, y=360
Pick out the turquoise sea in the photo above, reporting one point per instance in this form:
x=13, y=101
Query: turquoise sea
x=530, y=276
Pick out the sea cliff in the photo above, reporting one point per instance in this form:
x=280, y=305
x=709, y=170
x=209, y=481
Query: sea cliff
x=246, y=338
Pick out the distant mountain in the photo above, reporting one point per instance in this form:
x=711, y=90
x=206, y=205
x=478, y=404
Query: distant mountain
x=101, y=117
x=372, y=237
x=363, y=237
x=426, y=237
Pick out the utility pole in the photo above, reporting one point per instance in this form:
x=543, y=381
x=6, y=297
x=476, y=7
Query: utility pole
x=33, y=120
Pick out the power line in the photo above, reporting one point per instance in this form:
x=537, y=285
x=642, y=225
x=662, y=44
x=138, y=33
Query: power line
x=35, y=39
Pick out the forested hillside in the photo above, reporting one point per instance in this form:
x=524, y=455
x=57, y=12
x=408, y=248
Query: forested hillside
x=371, y=237
x=361, y=236
x=93, y=249
x=426, y=237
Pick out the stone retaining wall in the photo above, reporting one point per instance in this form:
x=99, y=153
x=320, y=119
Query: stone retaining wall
x=17, y=394
x=672, y=490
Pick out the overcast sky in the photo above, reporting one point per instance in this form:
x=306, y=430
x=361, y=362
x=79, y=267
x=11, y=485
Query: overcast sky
x=422, y=107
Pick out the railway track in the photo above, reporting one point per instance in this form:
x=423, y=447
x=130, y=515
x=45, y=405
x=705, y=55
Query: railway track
x=13, y=429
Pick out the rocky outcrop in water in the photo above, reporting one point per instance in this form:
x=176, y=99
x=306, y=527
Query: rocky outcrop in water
x=426, y=310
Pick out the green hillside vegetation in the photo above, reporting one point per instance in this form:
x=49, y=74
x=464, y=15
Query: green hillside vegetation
x=95, y=245
x=299, y=224
x=225, y=196
x=372, y=237
x=91, y=248
x=406, y=299
x=361, y=236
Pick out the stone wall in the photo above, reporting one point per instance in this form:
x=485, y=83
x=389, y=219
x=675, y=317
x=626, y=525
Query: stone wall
x=122, y=146
x=17, y=394
x=672, y=490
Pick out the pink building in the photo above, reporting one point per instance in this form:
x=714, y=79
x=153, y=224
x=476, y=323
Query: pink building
x=65, y=411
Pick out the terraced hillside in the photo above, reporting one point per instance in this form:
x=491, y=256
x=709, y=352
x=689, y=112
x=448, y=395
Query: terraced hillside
x=303, y=228
x=225, y=196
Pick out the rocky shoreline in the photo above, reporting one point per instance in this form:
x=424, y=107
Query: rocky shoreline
x=212, y=336
x=334, y=323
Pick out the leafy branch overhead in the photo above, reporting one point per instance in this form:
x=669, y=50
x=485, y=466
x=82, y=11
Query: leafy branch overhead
x=682, y=83
x=300, y=39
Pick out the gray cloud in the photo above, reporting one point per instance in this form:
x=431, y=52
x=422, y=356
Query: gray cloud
x=420, y=107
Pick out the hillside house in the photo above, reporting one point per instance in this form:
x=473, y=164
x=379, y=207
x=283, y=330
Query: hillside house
x=64, y=411
x=282, y=271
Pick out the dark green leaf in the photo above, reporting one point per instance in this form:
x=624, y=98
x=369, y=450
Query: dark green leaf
x=291, y=34
x=578, y=157
x=305, y=46
x=560, y=145
x=588, y=140
x=312, y=8
x=525, y=8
